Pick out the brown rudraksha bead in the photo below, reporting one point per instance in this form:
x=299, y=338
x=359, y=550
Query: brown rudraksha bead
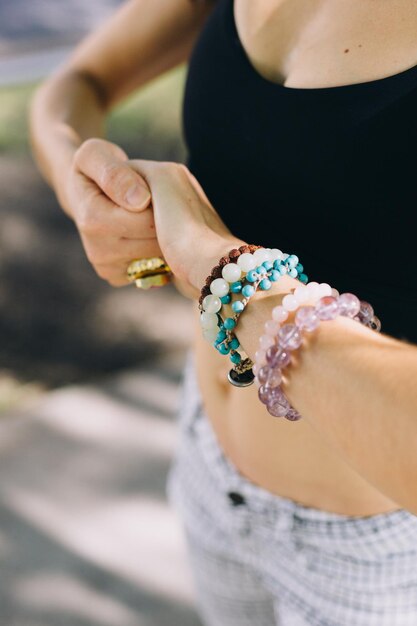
x=216, y=272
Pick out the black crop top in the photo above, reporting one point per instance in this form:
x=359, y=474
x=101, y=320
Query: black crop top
x=328, y=174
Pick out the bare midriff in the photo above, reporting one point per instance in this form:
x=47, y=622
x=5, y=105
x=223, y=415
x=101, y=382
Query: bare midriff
x=287, y=458
x=304, y=44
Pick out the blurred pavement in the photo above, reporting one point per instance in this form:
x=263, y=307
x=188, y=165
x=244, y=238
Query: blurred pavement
x=89, y=375
x=87, y=537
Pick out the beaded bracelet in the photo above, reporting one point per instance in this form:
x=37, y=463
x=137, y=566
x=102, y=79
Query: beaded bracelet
x=216, y=272
x=246, y=272
x=283, y=340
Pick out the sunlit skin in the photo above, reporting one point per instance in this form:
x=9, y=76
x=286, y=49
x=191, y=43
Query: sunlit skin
x=340, y=457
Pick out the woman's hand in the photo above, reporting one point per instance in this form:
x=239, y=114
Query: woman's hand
x=190, y=233
x=110, y=204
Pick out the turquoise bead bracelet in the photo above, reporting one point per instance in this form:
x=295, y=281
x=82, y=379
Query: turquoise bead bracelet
x=248, y=273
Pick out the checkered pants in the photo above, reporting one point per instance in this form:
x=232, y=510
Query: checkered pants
x=259, y=559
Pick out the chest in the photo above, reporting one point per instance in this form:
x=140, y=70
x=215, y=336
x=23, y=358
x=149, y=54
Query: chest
x=328, y=172
x=317, y=43
x=246, y=130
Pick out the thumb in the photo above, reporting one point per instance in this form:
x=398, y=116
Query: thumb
x=107, y=165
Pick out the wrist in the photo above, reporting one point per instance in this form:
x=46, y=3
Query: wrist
x=209, y=256
x=61, y=170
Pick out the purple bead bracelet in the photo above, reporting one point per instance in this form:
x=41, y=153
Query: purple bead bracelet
x=290, y=336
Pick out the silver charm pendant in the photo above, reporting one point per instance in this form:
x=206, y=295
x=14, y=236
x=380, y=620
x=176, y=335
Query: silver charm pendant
x=241, y=380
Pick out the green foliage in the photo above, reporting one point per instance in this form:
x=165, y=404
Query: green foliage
x=13, y=118
x=147, y=124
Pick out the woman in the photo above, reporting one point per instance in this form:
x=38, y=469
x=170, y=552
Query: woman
x=299, y=120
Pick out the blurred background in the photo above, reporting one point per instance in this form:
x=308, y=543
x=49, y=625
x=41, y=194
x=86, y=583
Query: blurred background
x=89, y=375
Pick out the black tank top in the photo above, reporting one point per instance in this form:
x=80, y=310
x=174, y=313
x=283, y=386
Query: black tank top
x=328, y=174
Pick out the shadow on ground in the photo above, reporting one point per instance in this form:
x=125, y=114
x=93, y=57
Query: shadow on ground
x=51, y=326
x=86, y=535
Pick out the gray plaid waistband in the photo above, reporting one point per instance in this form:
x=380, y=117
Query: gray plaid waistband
x=205, y=448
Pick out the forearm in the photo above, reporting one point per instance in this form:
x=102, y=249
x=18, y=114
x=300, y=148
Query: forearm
x=142, y=40
x=66, y=110
x=357, y=388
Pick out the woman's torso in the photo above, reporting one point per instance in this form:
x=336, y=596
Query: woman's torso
x=325, y=172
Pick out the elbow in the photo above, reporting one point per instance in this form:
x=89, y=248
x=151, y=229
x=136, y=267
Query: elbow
x=93, y=83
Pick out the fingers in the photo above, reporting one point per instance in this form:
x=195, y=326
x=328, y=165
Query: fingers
x=112, y=237
x=119, y=252
x=97, y=216
x=110, y=257
x=101, y=220
x=106, y=164
x=114, y=276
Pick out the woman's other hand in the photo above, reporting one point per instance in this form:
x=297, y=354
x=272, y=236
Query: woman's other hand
x=139, y=42
x=111, y=206
x=190, y=232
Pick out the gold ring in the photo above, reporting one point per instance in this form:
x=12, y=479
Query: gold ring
x=150, y=272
